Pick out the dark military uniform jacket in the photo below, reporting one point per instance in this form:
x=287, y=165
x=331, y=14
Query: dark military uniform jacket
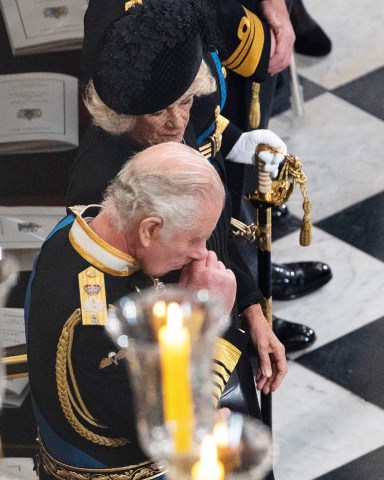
x=83, y=403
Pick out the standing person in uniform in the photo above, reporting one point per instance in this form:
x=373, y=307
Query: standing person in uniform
x=257, y=43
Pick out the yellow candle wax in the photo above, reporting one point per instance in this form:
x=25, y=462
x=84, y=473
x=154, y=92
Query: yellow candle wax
x=208, y=467
x=159, y=315
x=175, y=349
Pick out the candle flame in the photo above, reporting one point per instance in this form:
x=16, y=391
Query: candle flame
x=174, y=317
x=220, y=433
x=208, y=467
x=160, y=309
x=208, y=454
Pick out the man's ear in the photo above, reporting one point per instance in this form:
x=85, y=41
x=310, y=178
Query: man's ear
x=149, y=230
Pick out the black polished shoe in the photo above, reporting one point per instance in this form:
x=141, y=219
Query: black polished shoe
x=313, y=43
x=294, y=336
x=292, y=280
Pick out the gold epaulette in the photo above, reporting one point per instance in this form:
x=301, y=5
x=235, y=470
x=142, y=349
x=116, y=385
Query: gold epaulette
x=92, y=297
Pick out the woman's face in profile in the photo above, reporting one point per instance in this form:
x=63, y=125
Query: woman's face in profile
x=167, y=125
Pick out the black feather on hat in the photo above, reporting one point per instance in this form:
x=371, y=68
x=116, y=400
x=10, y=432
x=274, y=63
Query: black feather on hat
x=150, y=56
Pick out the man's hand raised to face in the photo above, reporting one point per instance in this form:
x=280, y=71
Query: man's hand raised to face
x=210, y=274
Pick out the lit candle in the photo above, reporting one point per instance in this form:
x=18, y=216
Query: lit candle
x=208, y=467
x=175, y=350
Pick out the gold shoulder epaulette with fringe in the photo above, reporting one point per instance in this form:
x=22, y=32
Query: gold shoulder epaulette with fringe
x=92, y=297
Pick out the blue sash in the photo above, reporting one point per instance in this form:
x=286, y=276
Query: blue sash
x=223, y=90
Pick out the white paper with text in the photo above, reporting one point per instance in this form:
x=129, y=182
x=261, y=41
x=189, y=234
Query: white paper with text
x=39, y=112
x=36, y=26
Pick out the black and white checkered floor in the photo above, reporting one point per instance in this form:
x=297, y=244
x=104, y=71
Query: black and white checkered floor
x=329, y=413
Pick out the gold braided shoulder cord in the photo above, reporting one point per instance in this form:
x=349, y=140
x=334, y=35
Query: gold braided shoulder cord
x=66, y=399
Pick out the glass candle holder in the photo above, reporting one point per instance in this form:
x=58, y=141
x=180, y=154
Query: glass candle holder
x=169, y=337
x=237, y=447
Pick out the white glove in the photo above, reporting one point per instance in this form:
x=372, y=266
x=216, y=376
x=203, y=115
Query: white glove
x=244, y=149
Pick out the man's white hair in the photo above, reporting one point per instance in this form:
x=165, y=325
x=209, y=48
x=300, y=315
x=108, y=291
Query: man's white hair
x=112, y=122
x=171, y=181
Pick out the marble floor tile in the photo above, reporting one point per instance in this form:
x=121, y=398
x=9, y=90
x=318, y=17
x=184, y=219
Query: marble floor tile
x=319, y=426
x=370, y=466
x=350, y=300
x=353, y=361
x=357, y=34
x=342, y=150
x=366, y=92
x=361, y=225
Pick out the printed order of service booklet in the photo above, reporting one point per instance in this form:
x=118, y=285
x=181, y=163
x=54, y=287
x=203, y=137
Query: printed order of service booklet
x=39, y=113
x=37, y=26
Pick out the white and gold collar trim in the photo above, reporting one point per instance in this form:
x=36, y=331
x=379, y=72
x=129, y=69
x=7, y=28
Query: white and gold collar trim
x=98, y=252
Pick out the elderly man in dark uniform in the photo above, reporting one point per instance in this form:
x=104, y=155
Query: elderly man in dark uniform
x=96, y=255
